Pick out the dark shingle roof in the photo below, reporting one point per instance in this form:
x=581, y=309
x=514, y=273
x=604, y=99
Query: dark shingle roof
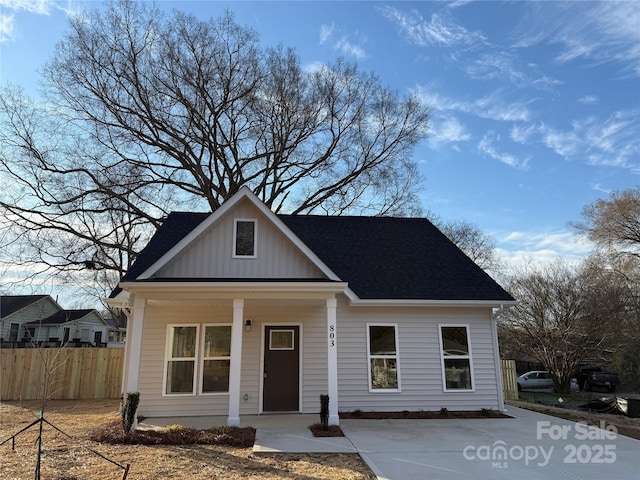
x=63, y=316
x=380, y=257
x=12, y=303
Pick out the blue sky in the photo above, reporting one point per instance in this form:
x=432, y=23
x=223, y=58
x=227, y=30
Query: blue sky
x=535, y=106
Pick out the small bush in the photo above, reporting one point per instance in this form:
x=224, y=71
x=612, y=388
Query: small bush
x=173, y=428
x=444, y=411
x=129, y=411
x=486, y=412
x=324, y=411
x=357, y=412
x=221, y=430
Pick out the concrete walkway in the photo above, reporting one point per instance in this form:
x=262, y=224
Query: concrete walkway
x=530, y=446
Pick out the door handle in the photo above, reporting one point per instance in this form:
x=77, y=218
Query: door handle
x=264, y=375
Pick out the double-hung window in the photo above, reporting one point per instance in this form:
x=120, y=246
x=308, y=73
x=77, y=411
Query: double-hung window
x=197, y=359
x=382, y=349
x=457, y=365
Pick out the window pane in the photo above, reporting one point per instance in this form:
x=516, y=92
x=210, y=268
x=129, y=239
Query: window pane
x=180, y=377
x=384, y=373
x=382, y=340
x=281, y=340
x=183, y=342
x=217, y=341
x=458, y=373
x=454, y=341
x=215, y=376
x=245, y=234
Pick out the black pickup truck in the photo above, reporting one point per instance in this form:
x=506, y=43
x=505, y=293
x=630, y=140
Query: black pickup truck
x=592, y=376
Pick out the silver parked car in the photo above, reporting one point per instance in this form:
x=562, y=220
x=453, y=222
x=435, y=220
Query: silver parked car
x=536, y=380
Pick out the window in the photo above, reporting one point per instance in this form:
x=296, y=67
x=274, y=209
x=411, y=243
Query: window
x=189, y=357
x=281, y=340
x=457, y=368
x=383, y=358
x=244, y=238
x=181, y=359
x=14, y=328
x=216, y=358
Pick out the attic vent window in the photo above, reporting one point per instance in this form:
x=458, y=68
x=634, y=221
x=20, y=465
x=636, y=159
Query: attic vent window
x=244, y=238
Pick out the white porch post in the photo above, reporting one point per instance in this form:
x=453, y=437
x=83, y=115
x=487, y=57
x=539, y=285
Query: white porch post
x=134, y=341
x=332, y=361
x=235, y=363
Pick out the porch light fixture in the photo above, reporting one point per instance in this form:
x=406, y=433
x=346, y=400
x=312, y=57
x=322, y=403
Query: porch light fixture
x=247, y=325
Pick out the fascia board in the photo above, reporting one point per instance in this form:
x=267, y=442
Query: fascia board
x=429, y=303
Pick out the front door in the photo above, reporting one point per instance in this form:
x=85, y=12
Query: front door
x=281, y=386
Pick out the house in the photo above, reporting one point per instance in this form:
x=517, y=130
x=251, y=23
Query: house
x=117, y=333
x=243, y=311
x=26, y=320
x=84, y=327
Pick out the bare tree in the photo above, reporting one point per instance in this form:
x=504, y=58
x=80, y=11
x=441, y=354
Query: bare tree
x=613, y=224
x=563, y=316
x=147, y=113
x=478, y=245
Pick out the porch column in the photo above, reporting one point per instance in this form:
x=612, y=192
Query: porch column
x=235, y=363
x=134, y=341
x=332, y=361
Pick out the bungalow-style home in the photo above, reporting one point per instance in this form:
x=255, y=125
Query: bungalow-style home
x=243, y=311
x=28, y=319
x=17, y=310
x=84, y=327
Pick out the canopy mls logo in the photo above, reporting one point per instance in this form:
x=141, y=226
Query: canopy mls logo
x=591, y=450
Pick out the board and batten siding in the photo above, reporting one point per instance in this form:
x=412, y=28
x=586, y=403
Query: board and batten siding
x=419, y=359
x=211, y=255
x=312, y=320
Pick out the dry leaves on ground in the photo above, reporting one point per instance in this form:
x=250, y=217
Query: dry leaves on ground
x=65, y=459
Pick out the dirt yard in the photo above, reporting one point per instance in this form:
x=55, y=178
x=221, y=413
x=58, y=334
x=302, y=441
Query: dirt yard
x=65, y=459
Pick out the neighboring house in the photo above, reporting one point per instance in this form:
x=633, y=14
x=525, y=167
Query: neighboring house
x=29, y=319
x=117, y=333
x=17, y=310
x=243, y=311
x=84, y=327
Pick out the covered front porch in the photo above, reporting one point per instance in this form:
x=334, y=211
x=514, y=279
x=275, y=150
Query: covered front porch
x=273, y=325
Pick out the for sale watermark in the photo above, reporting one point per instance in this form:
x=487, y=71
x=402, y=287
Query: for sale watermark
x=576, y=443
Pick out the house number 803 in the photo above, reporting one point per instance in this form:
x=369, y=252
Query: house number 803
x=332, y=335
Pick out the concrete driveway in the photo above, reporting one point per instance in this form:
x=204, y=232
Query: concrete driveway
x=528, y=447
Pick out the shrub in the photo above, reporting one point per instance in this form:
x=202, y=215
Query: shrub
x=486, y=412
x=173, y=428
x=444, y=411
x=324, y=411
x=129, y=411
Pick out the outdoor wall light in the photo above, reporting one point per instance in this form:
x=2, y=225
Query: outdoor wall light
x=247, y=325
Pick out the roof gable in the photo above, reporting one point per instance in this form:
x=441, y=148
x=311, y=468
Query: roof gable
x=10, y=304
x=66, y=316
x=381, y=258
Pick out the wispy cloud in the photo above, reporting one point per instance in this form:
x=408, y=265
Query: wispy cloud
x=518, y=249
x=487, y=147
x=589, y=99
x=8, y=9
x=441, y=29
x=490, y=106
x=505, y=66
x=447, y=129
x=343, y=43
x=599, y=32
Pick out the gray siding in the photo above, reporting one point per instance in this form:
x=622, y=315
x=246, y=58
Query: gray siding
x=39, y=310
x=419, y=360
x=211, y=255
x=312, y=320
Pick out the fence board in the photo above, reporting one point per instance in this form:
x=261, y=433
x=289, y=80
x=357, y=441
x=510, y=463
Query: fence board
x=69, y=373
x=509, y=384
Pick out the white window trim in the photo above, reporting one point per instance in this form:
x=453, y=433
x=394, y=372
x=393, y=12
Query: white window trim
x=203, y=358
x=293, y=340
x=168, y=358
x=456, y=357
x=396, y=356
x=255, y=237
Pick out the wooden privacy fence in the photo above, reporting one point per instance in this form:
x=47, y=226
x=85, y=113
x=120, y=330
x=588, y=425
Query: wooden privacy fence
x=68, y=373
x=509, y=384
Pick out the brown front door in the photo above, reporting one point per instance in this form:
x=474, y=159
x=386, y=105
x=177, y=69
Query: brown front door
x=281, y=386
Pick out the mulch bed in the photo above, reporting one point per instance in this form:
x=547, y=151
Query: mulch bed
x=426, y=415
x=331, y=431
x=113, y=433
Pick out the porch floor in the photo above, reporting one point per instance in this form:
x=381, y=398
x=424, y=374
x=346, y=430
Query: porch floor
x=275, y=433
